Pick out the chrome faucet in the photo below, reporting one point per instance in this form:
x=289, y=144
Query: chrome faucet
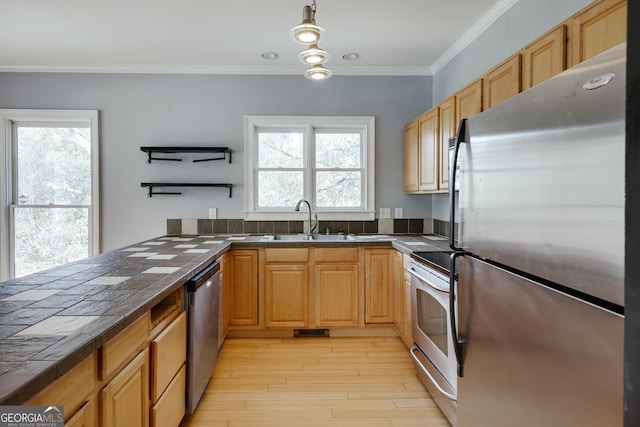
x=312, y=224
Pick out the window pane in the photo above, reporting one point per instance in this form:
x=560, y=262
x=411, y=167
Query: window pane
x=339, y=189
x=338, y=150
x=54, y=165
x=47, y=237
x=280, y=150
x=280, y=189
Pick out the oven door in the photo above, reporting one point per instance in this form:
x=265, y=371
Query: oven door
x=431, y=327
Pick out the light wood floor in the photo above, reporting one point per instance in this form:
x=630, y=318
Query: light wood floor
x=315, y=382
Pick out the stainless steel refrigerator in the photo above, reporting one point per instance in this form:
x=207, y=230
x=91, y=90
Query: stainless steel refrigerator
x=540, y=279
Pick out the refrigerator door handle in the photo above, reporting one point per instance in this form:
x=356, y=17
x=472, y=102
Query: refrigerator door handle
x=458, y=345
x=460, y=138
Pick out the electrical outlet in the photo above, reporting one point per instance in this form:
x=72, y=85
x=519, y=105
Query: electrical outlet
x=213, y=213
x=398, y=213
x=385, y=213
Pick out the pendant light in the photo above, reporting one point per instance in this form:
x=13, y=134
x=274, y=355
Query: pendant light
x=314, y=55
x=318, y=72
x=307, y=32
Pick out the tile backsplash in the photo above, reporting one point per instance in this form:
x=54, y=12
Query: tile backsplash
x=239, y=226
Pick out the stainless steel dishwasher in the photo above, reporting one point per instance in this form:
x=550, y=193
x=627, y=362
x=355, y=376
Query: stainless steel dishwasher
x=203, y=297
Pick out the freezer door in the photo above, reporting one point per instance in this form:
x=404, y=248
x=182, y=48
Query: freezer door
x=533, y=356
x=542, y=179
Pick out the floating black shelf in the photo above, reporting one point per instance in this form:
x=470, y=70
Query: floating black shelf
x=171, y=150
x=152, y=185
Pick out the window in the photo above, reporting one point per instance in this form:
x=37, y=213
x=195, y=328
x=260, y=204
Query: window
x=50, y=174
x=328, y=161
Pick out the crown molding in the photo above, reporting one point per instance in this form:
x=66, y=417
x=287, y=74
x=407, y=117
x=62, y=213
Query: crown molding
x=473, y=33
x=212, y=69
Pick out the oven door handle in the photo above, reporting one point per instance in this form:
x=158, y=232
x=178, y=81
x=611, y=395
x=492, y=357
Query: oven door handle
x=458, y=345
x=428, y=374
x=423, y=280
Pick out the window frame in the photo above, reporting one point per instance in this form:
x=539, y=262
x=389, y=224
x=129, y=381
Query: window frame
x=365, y=125
x=8, y=117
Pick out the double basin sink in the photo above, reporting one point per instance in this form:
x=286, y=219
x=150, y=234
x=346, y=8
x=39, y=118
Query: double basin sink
x=318, y=237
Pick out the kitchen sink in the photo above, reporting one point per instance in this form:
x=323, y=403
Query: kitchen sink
x=318, y=237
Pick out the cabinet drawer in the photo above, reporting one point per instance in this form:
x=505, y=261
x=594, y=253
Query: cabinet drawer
x=84, y=417
x=336, y=255
x=72, y=389
x=123, y=346
x=289, y=255
x=168, y=354
x=169, y=410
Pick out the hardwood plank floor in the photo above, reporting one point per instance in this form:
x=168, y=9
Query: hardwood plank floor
x=315, y=382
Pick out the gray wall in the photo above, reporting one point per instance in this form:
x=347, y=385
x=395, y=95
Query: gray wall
x=137, y=110
x=520, y=25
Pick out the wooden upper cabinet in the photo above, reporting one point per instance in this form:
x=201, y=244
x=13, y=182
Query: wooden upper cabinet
x=411, y=157
x=469, y=101
x=597, y=28
x=448, y=129
x=429, y=138
x=502, y=82
x=545, y=57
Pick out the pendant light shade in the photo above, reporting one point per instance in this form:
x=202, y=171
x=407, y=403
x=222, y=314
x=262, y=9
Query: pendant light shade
x=314, y=55
x=318, y=72
x=307, y=32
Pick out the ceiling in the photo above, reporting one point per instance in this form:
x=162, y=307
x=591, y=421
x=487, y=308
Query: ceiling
x=393, y=37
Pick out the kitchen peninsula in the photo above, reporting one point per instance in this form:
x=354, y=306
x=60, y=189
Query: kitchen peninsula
x=54, y=321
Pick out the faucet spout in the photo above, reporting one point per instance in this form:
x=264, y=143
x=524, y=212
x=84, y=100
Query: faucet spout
x=312, y=224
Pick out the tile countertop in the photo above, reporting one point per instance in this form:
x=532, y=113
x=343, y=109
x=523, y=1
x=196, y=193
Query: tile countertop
x=52, y=320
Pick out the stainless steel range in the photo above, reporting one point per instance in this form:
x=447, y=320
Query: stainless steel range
x=433, y=352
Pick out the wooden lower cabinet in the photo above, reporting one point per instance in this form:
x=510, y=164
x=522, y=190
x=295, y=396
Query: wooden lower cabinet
x=84, y=417
x=169, y=409
x=124, y=401
x=243, y=273
x=286, y=296
x=75, y=392
x=168, y=375
x=379, y=285
x=336, y=295
x=406, y=295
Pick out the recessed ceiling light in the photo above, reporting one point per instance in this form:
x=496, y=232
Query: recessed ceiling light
x=270, y=56
x=351, y=56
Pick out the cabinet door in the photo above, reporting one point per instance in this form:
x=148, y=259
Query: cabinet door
x=406, y=294
x=598, y=28
x=545, y=57
x=398, y=295
x=429, y=138
x=469, y=101
x=379, y=286
x=411, y=157
x=243, y=269
x=286, y=295
x=84, y=417
x=336, y=295
x=502, y=82
x=448, y=129
x=124, y=401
